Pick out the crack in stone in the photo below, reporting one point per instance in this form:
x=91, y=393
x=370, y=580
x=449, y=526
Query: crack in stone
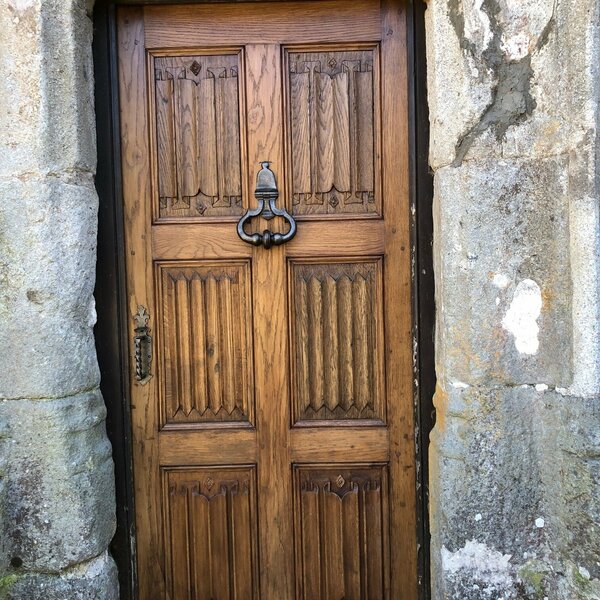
x=562, y=391
x=51, y=398
x=65, y=571
x=512, y=101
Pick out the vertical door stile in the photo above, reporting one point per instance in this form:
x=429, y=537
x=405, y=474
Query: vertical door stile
x=397, y=302
x=265, y=139
x=135, y=153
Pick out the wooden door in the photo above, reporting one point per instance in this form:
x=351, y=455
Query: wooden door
x=273, y=435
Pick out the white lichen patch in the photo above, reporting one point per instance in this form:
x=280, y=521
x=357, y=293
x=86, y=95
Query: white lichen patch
x=521, y=318
x=500, y=280
x=21, y=5
x=479, y=562
x=477, y=25
x=522, y=23
x=584, y=572
x=460, y=385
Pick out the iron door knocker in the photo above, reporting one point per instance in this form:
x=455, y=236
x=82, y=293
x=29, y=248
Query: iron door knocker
x=266, y=194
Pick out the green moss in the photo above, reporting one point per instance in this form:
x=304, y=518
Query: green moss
x=7, y=580
x=532, y=575
x=581, y=581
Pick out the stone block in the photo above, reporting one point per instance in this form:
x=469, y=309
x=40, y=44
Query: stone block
x=498, y=86
x=59, y=505
x=47, y=265
x=4, y=468
x=458, y=90
x=46, y=71
x=514, y=494
x=570, y=467
x=503, y=285
x=484, y=444
x=93, y=580
x=584, y=229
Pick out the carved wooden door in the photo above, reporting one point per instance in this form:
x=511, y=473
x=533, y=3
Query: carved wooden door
x=272, y=425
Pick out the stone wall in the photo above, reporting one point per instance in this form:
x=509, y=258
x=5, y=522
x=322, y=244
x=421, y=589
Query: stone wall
x=56, y=472
x=514, y=87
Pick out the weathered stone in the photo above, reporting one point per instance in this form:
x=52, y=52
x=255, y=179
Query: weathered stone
x=47, y=266
x=56, y=474
x=584, y=248
x=458, y=90
x=509, y=79
x=514, y=98
x=93, y=580
x=4, y=468
x=59, y=506
x=46, y=87
x=502, y=253
x=524, y=464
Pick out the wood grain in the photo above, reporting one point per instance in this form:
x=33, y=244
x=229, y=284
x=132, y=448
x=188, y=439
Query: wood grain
x=284, y=372
x=332, y=110
x=211, y=533
x=135, y=156
x=184, y=446
x=314, y=238
x=397, y=302
x=263, y=85
x=337, y=340
x=262, y=22
x=341, y=522
x=197, y=120
x=205, y=315
x=342, y=440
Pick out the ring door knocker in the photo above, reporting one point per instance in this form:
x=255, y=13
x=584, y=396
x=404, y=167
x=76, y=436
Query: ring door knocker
x=266, y=194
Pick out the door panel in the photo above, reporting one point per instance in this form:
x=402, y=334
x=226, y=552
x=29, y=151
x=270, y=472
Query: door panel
x=333, y=110
x=205, y=320
x=211, y=520
x=336, y=341
x=273, y=442
x=197, y=121
x=341, y=551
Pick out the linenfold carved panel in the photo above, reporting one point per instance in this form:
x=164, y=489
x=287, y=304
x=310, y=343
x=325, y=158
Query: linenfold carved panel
x=206, y=342
x=198, y=135
x=332, y=122
x=337, y=340
x=211, y=539
x=341, y=549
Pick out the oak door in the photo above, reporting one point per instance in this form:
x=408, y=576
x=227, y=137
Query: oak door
x=272, y=396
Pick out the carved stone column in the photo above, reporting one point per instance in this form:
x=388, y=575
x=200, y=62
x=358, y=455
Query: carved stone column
x=56, y=472
x=513, y=95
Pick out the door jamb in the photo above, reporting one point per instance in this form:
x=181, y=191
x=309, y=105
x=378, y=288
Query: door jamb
x=111, y=328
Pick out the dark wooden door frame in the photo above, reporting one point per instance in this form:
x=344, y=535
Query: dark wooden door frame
x=111, y=328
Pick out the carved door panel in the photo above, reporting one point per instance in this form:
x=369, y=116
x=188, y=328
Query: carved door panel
x=272, y=421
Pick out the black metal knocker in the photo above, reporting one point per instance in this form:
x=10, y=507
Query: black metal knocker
x=266, y=194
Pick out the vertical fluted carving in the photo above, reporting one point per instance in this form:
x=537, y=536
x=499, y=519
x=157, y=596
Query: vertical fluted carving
x=212, y=525
x=332, y=125
x=341, y=551
x=198, y=136
x=336, y=340
x=206, y=343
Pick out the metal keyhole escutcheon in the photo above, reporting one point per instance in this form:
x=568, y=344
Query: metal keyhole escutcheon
x=266, y=194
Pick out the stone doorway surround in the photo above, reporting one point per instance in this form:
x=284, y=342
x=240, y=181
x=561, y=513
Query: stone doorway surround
x=513, y=91
x=513, y=98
